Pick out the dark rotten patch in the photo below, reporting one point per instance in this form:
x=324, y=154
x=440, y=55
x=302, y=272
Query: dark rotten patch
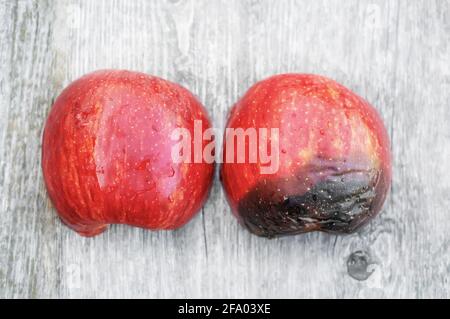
x=338, y=203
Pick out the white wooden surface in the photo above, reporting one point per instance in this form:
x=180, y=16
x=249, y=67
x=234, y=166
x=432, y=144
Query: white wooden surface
x=394, y=53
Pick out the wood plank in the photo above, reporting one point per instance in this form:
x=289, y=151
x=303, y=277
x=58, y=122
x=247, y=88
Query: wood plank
x=394, y=53
x=28, y=234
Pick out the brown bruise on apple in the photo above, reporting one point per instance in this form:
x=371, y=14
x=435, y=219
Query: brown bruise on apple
x=327, y=196
x=107, y=153
x=335, y=168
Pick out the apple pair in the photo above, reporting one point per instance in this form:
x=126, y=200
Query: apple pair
x=107, y=156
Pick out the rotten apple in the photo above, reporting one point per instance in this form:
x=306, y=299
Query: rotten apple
x=107, y=153
x=334, y=164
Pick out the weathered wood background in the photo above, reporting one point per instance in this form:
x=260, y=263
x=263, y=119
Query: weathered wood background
x=394, y=53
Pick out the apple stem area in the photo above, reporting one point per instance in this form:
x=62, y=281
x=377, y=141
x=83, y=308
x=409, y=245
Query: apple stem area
x=395, y=54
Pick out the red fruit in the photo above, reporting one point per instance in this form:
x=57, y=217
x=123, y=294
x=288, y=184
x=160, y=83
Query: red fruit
x=106, y=153
x=334, y=158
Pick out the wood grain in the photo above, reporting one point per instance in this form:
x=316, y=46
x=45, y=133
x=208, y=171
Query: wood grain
x=394, y=53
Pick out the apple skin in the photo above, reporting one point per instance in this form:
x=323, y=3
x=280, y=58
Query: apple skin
x=106, y=154
x=334, y=160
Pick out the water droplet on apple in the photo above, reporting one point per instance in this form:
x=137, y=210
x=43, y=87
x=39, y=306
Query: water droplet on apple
x=171, y=172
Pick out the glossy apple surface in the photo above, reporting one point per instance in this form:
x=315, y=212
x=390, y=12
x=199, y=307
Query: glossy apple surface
x=334, y=158
x=106, y=154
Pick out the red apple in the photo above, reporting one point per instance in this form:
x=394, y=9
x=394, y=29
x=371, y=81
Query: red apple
x=334, y=169
x=106, y=153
